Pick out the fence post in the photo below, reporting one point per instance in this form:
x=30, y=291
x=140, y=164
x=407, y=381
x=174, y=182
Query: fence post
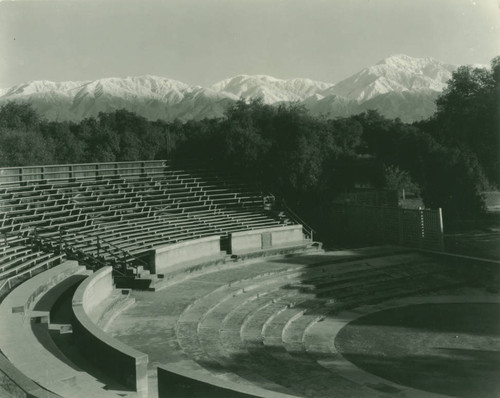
x=382, y=224
x=98, y=247
x=422, y=228
x=400, y=227
x=441, y=232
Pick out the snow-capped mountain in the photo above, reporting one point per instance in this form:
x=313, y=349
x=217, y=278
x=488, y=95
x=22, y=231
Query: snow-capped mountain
x=270, y=89
x=398, y=86
x=398, y=73
x=43, y=87
x=149, y=96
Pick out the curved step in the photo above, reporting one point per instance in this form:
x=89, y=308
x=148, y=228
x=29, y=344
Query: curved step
x=197, y=310
x=198, y=326
x=293, y=331
x=230, y=333
x=273, y=328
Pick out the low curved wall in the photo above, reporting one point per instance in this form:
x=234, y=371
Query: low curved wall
x=266, y=238
x=33, y=364
x=97, y=288
x=174, y=382
x=122, y=362
x=173, y=257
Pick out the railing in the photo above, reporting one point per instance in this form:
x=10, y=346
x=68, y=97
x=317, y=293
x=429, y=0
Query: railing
x=11, y=175
x=135, y=260
x=101, y=244
x=418, y=228
x=308, y=230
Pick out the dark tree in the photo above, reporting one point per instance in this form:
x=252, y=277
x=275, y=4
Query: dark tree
x=468, y=116
x=16, y=115
x=21, y=140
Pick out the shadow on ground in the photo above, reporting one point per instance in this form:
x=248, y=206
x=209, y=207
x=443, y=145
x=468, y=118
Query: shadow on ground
x=451, y=349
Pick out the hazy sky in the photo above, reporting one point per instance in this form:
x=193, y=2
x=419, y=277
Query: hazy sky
x=203, y=41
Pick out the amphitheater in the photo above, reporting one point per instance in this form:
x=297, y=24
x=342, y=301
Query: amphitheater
x=152, y=279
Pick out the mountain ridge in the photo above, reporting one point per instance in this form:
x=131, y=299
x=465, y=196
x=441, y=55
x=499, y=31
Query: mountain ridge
x=397, y=86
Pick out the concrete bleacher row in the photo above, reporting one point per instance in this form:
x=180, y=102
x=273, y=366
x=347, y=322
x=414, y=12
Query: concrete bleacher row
x=118, y=212
x=266, y=324
x=18, y=262
x=76, y=205
x=116, y=208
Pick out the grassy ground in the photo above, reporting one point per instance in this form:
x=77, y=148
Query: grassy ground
x=451, y=349
x=477, y=239
x=475, y=243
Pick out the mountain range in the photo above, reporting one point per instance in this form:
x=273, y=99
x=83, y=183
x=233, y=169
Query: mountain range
x=398, y=86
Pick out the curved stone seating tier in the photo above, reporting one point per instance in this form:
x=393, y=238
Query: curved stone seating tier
x=201, y=317
x=293, y=333
x=275, y=327
x=264, y=324
x=265, y=354
x=209, y=327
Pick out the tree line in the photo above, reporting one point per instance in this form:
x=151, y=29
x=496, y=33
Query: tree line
x=449, y=159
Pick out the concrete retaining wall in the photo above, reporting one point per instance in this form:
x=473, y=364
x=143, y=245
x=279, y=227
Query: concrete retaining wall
x=170, y=258
x=285, y=235
x=97, y=288
x=120, y=361
x=261, y=239
x=174, y=382
x=20, y=342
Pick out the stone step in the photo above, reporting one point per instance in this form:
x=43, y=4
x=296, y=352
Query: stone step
x=61, y=327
